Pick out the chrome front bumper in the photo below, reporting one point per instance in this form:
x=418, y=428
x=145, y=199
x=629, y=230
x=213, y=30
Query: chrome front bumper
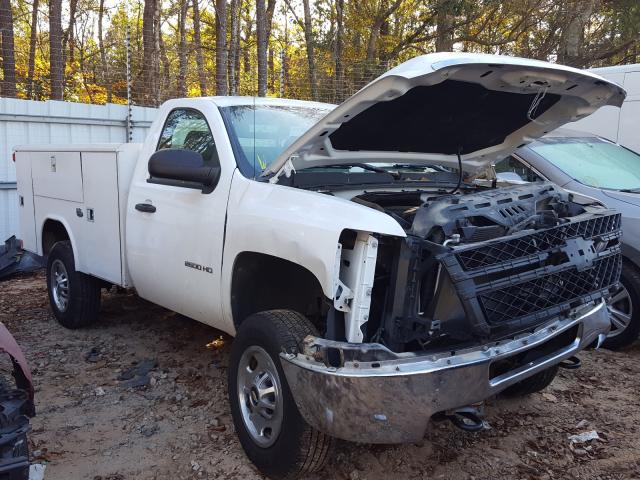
x=391, y=401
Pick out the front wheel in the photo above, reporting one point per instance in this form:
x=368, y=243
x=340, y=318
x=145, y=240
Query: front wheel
x=271, y=430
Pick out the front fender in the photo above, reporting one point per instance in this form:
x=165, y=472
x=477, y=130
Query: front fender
x=293, y=224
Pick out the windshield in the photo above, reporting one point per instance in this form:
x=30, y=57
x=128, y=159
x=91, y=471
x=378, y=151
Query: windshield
x=260, y=133
x=592, y=161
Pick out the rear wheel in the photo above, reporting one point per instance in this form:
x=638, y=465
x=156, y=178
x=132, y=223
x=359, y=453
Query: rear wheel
x=533, y=384
x=624, y=310
x=271, y=430
x=74, y=296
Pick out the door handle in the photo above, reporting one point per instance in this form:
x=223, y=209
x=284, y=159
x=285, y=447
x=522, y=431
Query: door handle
x=145, y=207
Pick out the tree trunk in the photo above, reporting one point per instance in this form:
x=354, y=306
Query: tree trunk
x=271, y=6
x=157, y=40
x=221, y=47
x=234, y=47
x=55, y=49
x=339, y=68
x=106, y=80
x=261, y=27
x=32, y=49
x=444, y=27
x=157, y=36
x=148, y=45
x=8, y=87
x=308, y=37
x=81, y=65
x=284, y=60
x=572, y=41
x=164, y=84
x=202, y=78
x=182, y=50
x=248, y=32
x=68, y=38
x=372, y=42
x=271, y=78
x=382, y=14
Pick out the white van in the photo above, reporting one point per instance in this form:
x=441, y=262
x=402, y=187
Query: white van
x=621, y=125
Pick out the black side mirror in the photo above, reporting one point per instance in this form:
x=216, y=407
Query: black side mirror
x=183, y=168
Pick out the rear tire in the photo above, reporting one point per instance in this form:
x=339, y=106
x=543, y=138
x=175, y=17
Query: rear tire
x=271, y=430
x=624, y=309
x=74, y=296
x=533, y=384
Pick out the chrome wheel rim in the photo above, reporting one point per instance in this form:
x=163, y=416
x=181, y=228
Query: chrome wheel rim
x=60, y=285
x=620, y=311
x=260, y=396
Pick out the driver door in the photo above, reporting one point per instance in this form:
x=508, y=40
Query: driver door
x=175, y=231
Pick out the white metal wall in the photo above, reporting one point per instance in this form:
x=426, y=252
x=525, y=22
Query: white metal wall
x=28, y=122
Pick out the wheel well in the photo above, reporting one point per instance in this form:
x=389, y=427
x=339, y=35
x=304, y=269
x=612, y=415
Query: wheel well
x=631, y=263
x=53, y=231
x=263, y=282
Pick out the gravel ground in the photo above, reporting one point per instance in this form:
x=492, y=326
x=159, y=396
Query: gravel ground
x=92, y=423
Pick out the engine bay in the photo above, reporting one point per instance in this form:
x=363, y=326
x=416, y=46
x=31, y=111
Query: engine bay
x=486, y=265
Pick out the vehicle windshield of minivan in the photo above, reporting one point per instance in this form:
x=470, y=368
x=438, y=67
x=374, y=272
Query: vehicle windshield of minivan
x=592, y=161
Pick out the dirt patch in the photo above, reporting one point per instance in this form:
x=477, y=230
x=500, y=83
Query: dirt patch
x=139, y=396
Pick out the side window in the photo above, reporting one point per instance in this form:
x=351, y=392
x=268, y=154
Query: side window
x=512, y=165
x=187, y=129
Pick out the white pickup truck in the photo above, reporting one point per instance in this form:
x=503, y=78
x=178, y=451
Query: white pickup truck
x=369, y=283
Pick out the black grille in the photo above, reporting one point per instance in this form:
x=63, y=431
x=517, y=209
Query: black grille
x=536, y=243
x=513, y=283
x=555, y=290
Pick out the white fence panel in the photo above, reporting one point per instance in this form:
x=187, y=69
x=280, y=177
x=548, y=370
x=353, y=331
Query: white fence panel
x=28, y=122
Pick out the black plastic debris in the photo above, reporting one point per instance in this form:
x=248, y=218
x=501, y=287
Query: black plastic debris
x=16, y=406
x=138, y=375
x=92, y=356
x=13, y=259
x=14, y=425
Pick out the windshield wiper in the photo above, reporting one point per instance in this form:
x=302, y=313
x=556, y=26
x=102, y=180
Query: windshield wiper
x=411, y=166
x=364, y=166
x=630, y=190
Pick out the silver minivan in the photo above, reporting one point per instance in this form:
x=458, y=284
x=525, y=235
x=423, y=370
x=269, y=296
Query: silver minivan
x=604, y=170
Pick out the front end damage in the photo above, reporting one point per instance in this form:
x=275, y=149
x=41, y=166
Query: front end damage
x=377, y=396
x=487, y=290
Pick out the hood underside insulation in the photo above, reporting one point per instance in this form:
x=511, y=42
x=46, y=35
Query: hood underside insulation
x=457, y=115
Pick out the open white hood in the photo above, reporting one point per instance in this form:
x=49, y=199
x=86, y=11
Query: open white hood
x=431, y=107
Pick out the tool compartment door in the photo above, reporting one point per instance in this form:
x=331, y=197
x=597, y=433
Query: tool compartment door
x=57, y=175
x=100, y=232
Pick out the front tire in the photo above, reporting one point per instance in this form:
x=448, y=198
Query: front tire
x=271, y=430
x=74, y=296
x=624, y=310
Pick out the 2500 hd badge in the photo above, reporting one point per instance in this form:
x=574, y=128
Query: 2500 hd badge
x=198, y=266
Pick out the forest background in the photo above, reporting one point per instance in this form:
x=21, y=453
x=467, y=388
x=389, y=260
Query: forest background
x=92, y=50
